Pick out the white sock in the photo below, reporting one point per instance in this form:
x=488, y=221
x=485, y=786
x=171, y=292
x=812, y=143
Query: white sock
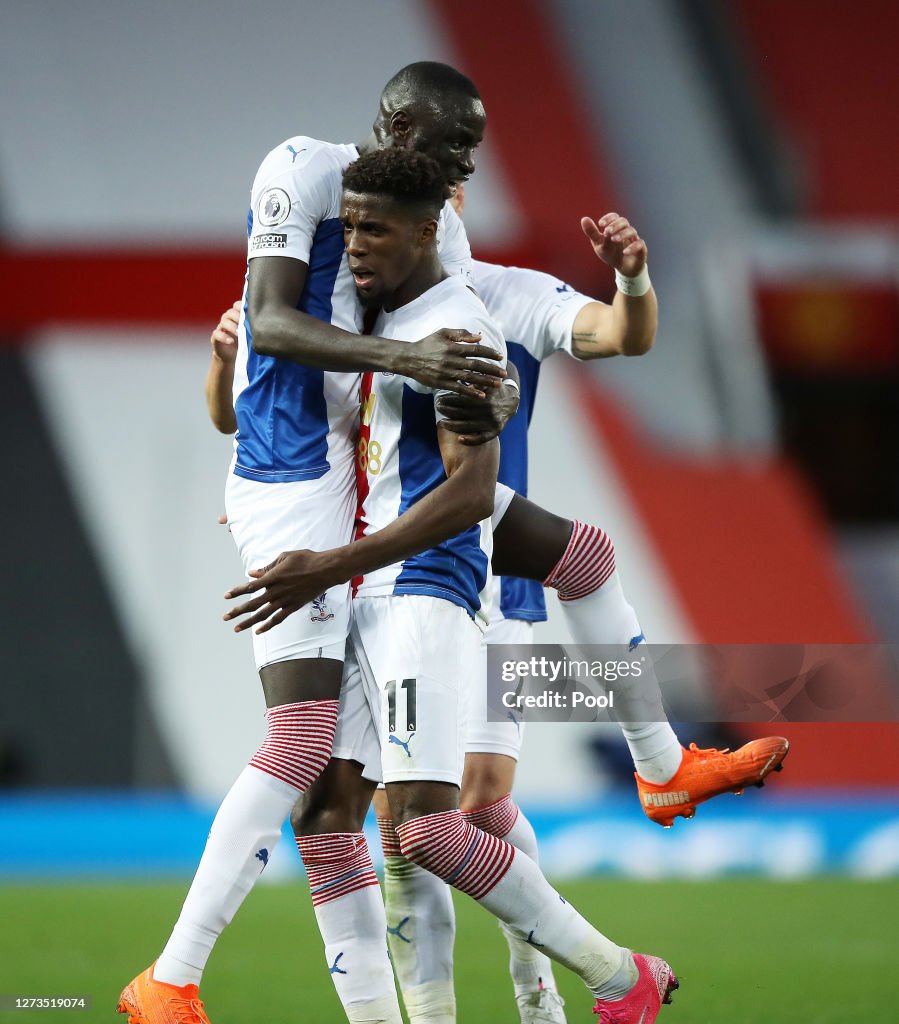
x=349, y=909
x=605, y=617
x=242, y=837
x=535, y=911
x=511, y=886
x=421, y=931
x=296, y=749
x=528, y=967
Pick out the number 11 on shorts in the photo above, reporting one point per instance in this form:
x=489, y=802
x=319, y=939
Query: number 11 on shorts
x=408, y=687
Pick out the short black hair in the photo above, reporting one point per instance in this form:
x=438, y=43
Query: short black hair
x=425, y=80
x=404, y=175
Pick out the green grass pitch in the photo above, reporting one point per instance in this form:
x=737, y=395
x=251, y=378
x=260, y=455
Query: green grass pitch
x=747, y=951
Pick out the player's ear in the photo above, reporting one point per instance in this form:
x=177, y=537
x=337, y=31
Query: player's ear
x=400, y=125
x=427, y=231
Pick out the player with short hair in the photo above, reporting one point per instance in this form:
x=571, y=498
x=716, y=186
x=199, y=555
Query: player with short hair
x=417, y=633
x=291, y=482
x=540, y=315
x=408, y=117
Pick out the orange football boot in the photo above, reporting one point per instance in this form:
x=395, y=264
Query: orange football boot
x=148, y=1001
x=707, y=773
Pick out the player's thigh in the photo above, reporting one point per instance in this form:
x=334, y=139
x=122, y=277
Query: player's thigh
x=267, y=519
x=529, y=541
x=492, y=728
x=421, y=653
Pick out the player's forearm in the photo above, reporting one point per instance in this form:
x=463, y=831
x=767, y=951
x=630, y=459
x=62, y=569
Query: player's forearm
x=635, y=320
x=219, y=403
x=626, y=328
x=463, y=500
x=300, y=338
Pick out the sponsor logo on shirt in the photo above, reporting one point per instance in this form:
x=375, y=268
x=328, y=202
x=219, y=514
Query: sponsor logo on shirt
x=269, y=241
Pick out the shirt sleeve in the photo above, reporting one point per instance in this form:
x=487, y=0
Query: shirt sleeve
x=291, y=196
x=533, y=309
x=452, y=244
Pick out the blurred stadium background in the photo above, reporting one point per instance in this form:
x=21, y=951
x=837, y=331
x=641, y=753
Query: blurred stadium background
x=748, y=469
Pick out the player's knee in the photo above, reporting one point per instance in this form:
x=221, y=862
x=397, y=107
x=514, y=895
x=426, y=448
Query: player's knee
x=410, y=800
x=487, y=778
x=482, y=796
x=423, y=838
x=588, y=561
x=298, y=741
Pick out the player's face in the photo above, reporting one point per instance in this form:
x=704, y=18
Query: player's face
x=384, y=244
x=450, y=137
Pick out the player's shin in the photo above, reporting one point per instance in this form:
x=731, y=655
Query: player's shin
x=597, y=612
x=350, y=914
x=511, y=886
x=245, y=831
x=421, y=931
x=530, y=969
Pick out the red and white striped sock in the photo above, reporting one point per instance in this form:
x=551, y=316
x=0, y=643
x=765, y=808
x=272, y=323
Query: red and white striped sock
x=497, y=818
x=390, y=841
x=350, y=914
x=298, y=742
x=421, y=933
x=245, y=830
x=337, y=864
x=597, y=612
x=529, y=968
x=466, y=858
x=588, y=561
x=511, y=886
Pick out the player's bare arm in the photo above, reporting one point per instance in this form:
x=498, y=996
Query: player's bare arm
x=296, y=577
x=628, y=326
x=477, y=422
x=220, y=376
x=446, y=360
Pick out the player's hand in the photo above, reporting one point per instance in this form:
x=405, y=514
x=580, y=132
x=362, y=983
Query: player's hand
x=224, y=337
x=616, y=243
x=452, y=360
x=477, y=422
x=282, y=587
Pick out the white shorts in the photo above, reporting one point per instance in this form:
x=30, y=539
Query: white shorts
x=482, y=736
x=406, y=688
x=267, y=519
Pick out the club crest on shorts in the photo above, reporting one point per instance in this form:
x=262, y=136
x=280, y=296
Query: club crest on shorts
x=320, y=611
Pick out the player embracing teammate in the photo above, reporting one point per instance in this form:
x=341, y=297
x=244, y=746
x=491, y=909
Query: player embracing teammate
x=291, y=487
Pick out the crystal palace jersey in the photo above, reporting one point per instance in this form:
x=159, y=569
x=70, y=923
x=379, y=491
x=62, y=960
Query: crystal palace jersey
x=399, y=460
x=296, y=422
x=535, y=313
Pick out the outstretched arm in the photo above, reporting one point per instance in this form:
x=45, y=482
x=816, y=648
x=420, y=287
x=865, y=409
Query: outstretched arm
x=628, y=326
x=443, y=360
x=296, y=577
